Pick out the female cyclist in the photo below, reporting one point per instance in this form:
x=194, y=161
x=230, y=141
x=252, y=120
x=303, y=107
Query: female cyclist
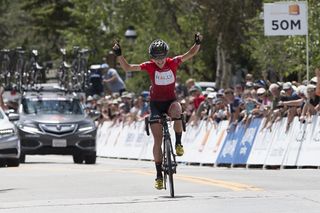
x=162, y=73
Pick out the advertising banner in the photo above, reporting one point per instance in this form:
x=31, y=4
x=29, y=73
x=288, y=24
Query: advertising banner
x=280, y=143
x=310, y=150
x=261, y=146
x=297, y=138
x=243, y=148
x=233, y=137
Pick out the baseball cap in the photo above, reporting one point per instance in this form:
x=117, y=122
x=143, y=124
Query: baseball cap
x=261, y=91
x=249, y=84
x=193, y=89
x=286, y=85
x=90, y=98
x=211, y=95
x=209, y=89
x=314, y=80
x=104, y=66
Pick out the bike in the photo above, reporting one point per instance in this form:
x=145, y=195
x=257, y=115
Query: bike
x=79, y=68
x=5, y=75
x=169, y=164
x=64, y=70
x=36, y=71
x=19, y=68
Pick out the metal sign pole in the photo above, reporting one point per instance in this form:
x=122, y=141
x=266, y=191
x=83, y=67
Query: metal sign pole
x=307, y=55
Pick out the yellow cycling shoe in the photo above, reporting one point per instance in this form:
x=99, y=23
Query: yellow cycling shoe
x=179, y=150
x=159, y=183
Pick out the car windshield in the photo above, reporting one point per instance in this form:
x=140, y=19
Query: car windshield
x=42, y=106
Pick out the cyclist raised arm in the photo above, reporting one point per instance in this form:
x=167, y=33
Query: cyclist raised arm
x=162, y=73
x=123, y=62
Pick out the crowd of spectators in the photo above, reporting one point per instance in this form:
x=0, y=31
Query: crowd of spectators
x=253, y=98
x=240, y=103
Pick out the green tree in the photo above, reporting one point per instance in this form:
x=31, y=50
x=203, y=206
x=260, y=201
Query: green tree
x=47, y=20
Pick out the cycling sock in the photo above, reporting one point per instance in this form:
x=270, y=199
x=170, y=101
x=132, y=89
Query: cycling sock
x=159, y=170
x=178, y=138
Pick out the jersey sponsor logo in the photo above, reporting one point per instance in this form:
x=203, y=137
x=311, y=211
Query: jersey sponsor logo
x=164, y=78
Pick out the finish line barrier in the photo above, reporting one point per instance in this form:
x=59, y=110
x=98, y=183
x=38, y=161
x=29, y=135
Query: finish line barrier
x=207, y=143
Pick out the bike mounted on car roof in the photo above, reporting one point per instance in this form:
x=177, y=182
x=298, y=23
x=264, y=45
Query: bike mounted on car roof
x=21, y=70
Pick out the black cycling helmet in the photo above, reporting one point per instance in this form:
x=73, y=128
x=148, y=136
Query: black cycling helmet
x=158, y=49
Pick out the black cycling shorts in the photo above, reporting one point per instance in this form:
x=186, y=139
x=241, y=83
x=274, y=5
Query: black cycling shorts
x=157, y=108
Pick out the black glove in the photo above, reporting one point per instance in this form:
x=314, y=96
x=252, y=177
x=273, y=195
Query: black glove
x=117, y=49
x=197, y=39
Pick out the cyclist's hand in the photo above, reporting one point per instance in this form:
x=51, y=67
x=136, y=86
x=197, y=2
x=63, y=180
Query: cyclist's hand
x=116, y=48
x=197, y=38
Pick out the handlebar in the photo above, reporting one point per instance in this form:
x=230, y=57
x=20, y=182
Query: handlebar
x=163, y=118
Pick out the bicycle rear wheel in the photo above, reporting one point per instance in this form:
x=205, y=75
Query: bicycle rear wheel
x=170, y=166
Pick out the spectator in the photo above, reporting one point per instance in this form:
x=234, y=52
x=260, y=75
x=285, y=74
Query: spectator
x=104, y=116
x=233, y=107
x=249, y=78
x=197, y=96
x=113, y=80
x=264, y=103
x=205, y=107
x=192, y=83
x=312, y=105
x=196, y=99
x=276, y=109
x=181, y=89
x=143, y=106
x=127, y=100
x=290, y=103
x=250, y=104
x=220, y=112
x=238, y=90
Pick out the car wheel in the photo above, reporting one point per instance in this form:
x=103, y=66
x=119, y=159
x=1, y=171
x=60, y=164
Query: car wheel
x=2, y=163
x=77, y=158
x=90, y=159
x=22, y=158
x=13, y=162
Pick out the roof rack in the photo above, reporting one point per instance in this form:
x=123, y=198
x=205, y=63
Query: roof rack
x=45, y=87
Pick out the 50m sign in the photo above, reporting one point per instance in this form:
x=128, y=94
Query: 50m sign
x=285, y=18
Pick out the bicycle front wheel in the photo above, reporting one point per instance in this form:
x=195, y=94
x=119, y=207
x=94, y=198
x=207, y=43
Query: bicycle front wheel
x=170, y=166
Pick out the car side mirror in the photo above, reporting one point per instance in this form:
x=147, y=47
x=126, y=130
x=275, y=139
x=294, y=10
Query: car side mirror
x=13, y=116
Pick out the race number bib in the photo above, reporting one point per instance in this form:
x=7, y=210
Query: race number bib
x=164, y=78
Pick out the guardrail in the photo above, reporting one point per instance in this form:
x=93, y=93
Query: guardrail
x=247, y=145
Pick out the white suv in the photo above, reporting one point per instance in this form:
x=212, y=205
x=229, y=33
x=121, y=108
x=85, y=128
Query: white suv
x=9, y=141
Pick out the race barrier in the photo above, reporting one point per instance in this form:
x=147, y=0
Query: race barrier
x=250, y=145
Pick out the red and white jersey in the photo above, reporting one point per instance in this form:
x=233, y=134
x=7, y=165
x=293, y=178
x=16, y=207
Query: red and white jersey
x=162, y=79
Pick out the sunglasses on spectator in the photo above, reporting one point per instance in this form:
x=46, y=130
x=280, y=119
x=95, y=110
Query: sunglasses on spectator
x=261, y=94
x=313, y=83
x=228, y=93
x=310, y=91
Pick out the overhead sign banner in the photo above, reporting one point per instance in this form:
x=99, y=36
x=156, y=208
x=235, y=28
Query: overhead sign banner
x=286, y=18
